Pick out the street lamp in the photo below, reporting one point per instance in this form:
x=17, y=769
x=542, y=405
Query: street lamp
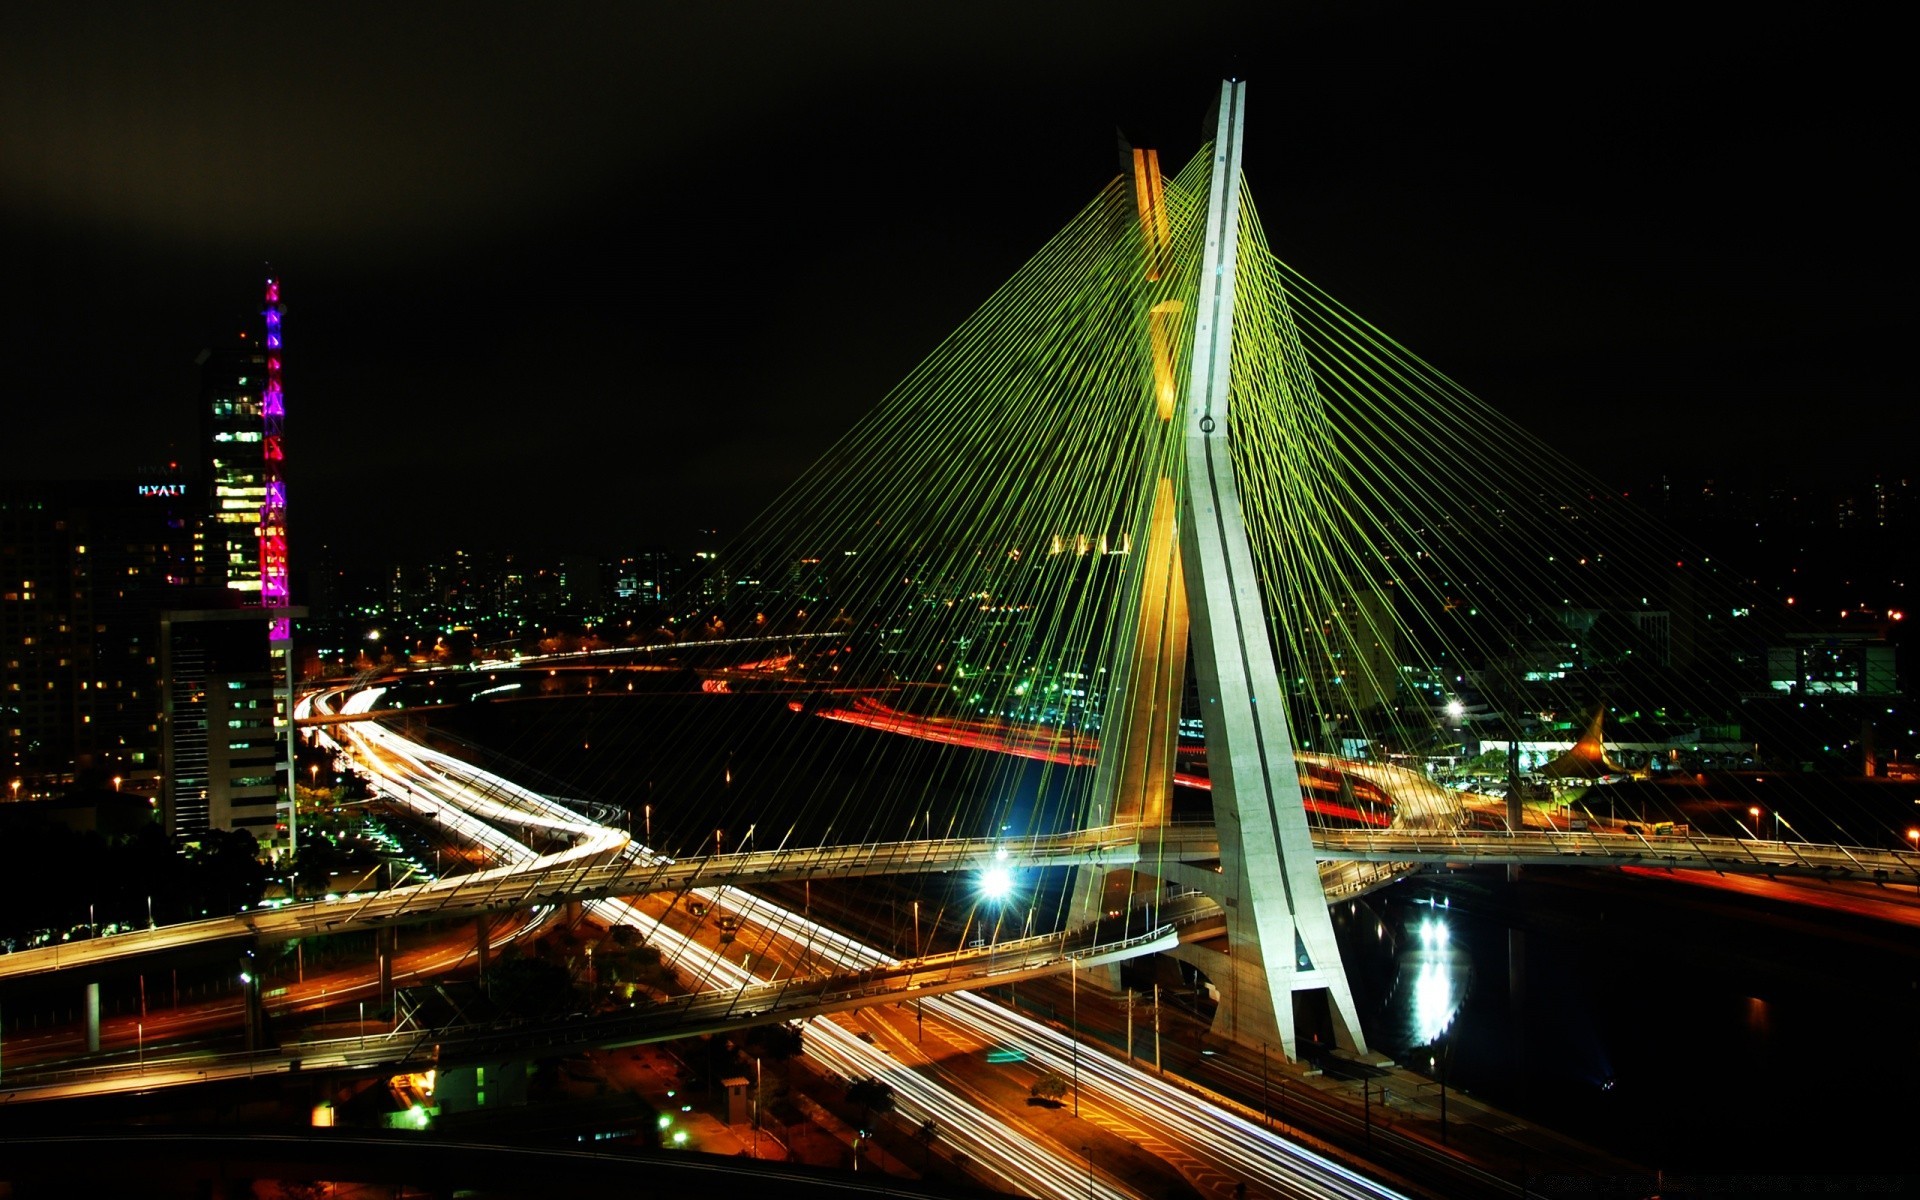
x=996, y=883
x=1913, y=836
x=1753, y=810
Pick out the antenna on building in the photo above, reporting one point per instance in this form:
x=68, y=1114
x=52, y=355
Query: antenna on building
x=275, y=591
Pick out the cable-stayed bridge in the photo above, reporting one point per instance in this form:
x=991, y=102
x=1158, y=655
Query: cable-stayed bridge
x=1158, y=478
x=603, y=863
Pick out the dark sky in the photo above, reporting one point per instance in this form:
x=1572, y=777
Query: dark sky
x=589, y=276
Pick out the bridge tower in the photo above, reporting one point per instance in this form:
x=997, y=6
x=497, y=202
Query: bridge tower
x=1281, y=947
x=1282, y=962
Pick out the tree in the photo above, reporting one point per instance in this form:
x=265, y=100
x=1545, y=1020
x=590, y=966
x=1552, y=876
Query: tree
x=927, y=1135
x=636, y=963
x=777, y=1042
x=873, y=1097
x=1049, y=1088
x=529, y=987
x=228, y=870
x=315, y=864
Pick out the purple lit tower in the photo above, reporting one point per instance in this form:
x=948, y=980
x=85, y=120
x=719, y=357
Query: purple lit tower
x=275, y=594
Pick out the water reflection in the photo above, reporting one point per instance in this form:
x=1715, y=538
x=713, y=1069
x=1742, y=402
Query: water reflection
x=1432, y=979
x=1433, y=1002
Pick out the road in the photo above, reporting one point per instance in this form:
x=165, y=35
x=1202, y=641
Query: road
x=168, y=1029
x=1230, y=1146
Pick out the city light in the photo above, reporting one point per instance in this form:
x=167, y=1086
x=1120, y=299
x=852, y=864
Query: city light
x=996, y=883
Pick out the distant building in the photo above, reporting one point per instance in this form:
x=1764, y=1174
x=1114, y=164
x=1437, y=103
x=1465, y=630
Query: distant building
x=580, y=581
x=1352, y=662
x=85, y=569
x=1854, y=663
x=651, y=577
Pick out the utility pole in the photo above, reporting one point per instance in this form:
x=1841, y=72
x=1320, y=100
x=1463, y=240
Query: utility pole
x=1280, y=1101
x=1156, y=1030
x=1266, y=1118
x=1366, y=1107
x=1073, y=977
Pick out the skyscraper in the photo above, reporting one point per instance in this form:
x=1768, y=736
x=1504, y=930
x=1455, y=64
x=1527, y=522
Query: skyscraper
x=231, y=770
x=233, y=383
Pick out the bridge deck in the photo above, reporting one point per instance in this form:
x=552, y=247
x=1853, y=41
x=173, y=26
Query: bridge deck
x=794, y=998
x=596, y=872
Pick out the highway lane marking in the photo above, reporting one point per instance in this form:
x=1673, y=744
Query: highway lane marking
x=1110, y=1120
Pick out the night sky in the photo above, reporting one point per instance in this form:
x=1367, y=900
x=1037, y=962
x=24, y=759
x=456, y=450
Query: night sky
x=587, y=277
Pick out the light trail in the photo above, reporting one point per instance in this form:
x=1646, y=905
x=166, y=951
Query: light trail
x=997, y=1147
x=1226, y=1141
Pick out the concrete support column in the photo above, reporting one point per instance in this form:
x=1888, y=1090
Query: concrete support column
x=93, y=1018
x=383, y=942
x=481, y=949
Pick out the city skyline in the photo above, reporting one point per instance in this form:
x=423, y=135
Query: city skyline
x=510, y=257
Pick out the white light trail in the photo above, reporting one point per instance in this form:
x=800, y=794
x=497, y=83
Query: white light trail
x=1231, y=1143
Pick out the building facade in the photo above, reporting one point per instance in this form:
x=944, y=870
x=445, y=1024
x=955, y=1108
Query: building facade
x=226, y=724
x=85, y=568
x=233, y=382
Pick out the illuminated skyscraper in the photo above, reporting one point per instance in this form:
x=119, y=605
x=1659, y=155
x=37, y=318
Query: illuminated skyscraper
x=233, y=383
x=242, y=547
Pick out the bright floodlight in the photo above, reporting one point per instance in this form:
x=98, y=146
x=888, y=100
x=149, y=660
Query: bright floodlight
x=996, y=882
x=1456, y=710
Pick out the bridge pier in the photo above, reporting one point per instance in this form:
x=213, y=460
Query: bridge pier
x=482, y=949
x=93, y=1017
